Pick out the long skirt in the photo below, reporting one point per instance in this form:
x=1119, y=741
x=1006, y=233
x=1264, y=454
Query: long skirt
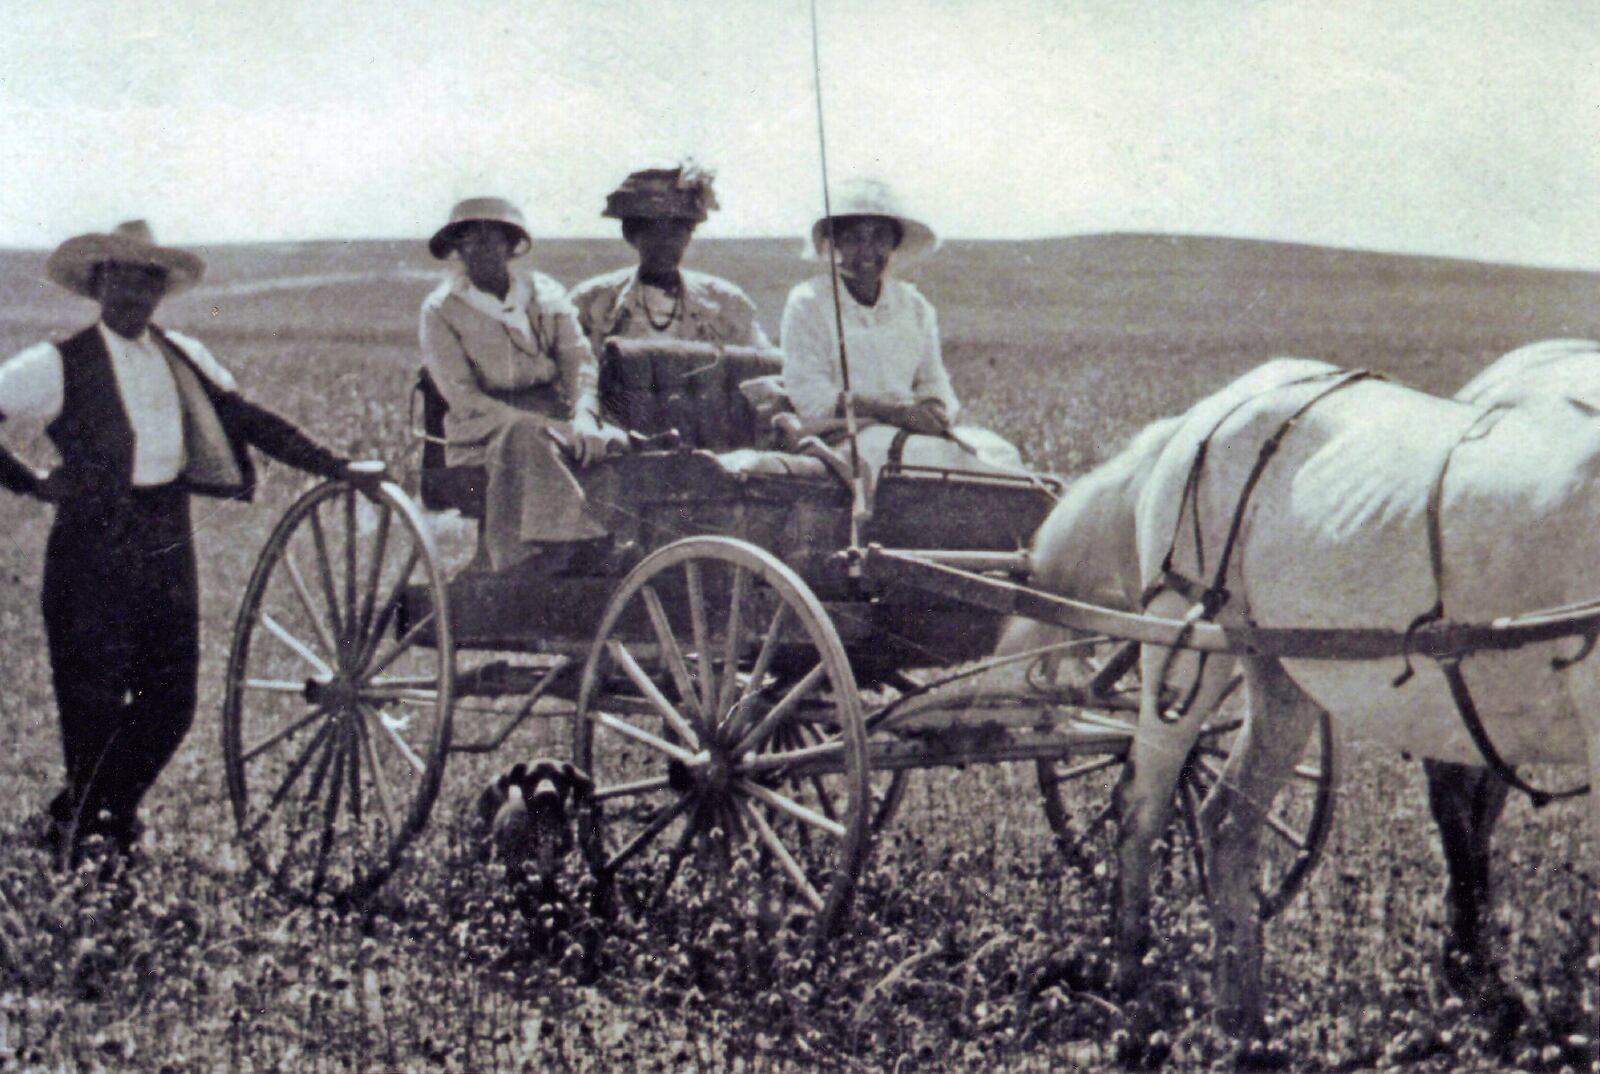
x=532, y=500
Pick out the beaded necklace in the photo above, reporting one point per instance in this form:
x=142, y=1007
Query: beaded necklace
x=650, y=315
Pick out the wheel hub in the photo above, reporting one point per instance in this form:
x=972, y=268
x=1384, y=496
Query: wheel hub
x=339, y=694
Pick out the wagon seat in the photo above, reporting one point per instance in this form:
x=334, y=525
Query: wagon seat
x=650, y=388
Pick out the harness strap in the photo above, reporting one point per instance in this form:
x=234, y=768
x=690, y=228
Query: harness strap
x=1208, y=600
x=1479, y=427
x=1451, y=666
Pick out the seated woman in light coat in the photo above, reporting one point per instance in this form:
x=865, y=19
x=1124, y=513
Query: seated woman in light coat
x=503, y=347
x=897, y=375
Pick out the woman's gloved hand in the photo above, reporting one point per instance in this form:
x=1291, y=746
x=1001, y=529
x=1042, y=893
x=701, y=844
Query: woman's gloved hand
x=594, y=440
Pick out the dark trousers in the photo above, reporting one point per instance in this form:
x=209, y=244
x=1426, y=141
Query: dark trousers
x=121, y=618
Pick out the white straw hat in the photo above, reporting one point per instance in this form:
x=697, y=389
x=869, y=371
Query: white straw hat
x=473, y=210
x=874, y=197
x=129, y=243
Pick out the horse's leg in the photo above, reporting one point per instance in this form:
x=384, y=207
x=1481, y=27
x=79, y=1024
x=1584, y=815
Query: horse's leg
x=1144, y=804
x=1466, y=802
x=1278, y=723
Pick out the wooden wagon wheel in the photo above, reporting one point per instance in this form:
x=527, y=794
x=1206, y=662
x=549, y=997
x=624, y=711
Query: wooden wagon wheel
x=1078, y=794
x=336, y=719
x=718, y=712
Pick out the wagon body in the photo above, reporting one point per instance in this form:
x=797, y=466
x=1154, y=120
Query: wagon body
x=649, y=499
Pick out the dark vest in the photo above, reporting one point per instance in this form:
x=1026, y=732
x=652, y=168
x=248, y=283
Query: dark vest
x=95, y=437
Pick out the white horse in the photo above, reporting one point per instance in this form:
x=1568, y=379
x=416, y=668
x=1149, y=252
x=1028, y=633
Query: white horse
x=1086, y=550
x=1335, y=535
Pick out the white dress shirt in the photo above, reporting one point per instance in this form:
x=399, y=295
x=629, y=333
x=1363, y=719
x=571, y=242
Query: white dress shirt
x=893, y=347
x=31, y=386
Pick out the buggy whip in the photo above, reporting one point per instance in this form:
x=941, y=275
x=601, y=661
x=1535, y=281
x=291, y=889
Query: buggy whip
x=858, y=491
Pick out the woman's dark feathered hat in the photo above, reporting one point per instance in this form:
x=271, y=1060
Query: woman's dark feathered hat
x=683, y=192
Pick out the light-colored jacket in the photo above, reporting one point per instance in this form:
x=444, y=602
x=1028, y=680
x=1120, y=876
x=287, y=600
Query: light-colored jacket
x=713, y=311
x=489, y=370
x=894, y=347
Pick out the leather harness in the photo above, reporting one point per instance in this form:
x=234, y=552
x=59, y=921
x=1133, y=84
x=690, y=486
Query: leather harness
x=1209, y=600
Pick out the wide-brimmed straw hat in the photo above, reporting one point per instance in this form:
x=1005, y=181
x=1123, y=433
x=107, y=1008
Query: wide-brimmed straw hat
x=873, y=197
x=131, y=243
x=473, y=210
x=682, y=193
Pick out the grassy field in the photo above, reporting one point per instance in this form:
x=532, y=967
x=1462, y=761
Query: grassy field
x=972, y=946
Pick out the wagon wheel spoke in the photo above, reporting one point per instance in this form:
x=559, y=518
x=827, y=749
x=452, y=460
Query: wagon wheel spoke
x=1274, y=823
x=386, y=614
x=300, y=815
x=763, y=662
x=402, y=644
x=738, y=591
x=391, y=729
x=672, y=653
x=702, y=641
x=266, y=744
x=303, y=594
x=783, y=710
x=632, y=789
x=679, y=850
x=330, y=814
x=369, y=592
x=647, y=738
x=296, y=768
x=793, y=808
x=657, y=824
x=652, y=693
x=275, y=686
x=797, y=875
x=1189, y=810
x=325, y=573
x=380, y=780
x=350, y=566
x=353, y=766
x=296, y=646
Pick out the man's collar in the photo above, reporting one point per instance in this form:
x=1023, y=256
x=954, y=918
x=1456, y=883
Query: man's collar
x=113, y=338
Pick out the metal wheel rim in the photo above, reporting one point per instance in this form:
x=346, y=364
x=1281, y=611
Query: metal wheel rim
x=1198, y=775
x=364, y=716
x=726, y=772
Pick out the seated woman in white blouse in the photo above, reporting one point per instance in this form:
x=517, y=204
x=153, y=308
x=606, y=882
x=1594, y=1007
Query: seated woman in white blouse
x=897, y=375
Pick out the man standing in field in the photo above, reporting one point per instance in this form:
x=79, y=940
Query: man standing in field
x=141, y=418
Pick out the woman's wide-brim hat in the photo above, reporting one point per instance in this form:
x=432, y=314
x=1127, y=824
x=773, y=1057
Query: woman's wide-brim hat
x=681, y=193
x=485, y=210
x=131, y=243
x=873, y=197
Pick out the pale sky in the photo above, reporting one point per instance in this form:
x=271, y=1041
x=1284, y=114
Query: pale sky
x=1467, y=128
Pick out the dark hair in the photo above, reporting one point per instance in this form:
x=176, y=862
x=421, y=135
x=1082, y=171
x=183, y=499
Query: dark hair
x=838, y=224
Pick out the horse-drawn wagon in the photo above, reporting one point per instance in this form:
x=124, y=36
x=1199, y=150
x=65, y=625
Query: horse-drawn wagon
x=746, y=663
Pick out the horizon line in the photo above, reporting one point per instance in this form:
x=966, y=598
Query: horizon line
x=798, y=241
